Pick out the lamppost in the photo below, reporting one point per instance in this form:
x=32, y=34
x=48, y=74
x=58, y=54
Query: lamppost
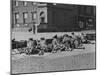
x=35, y=25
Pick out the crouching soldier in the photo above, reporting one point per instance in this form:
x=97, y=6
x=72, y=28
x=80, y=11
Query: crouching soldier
x=29, y=46
x=55, y=44
x=42, y=46
x=75, y=42
x=66, y=42
x=82, y=36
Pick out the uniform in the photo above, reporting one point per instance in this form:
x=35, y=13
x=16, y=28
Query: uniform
x=29, y=46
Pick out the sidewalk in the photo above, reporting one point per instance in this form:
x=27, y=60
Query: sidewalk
x=26, y=35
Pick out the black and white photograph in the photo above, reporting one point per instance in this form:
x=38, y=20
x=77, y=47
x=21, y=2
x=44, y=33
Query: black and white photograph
x=52, y=37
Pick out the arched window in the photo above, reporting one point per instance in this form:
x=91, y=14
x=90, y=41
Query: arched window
x=42, y=17
x=42, y=13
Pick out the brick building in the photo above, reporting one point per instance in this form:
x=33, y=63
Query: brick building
x=52, y=17
x=25, y=14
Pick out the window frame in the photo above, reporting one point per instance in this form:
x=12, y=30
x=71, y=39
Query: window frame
x=24, y=19
x=16, y=3
x=25, y=3
x=16, y=18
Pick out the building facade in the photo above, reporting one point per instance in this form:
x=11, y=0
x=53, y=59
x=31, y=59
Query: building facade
x=25, y=14
x=52, y=17
x=87, y=17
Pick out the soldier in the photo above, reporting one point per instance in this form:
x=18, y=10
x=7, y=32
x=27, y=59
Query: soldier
x=55, y=44
x=42, y=46
x=83, y=37
x=30, y=46
x=66, y=42
x=73, y=36
x=74, y=40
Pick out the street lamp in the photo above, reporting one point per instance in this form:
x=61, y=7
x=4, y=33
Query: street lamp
x=35, y=25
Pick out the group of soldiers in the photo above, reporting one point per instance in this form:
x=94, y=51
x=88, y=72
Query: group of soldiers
x=56, y=43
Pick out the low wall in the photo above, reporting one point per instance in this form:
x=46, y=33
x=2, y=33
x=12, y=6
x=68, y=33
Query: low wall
x=45, y=64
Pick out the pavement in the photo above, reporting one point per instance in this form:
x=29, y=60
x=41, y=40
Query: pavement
x=76, y=60
x=26, y=35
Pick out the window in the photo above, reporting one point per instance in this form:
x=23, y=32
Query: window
x=94, y=11
x=34, y=3
x=42, y=19
x=16, y=3
x=25, y=16
x=33, y=15
x=54, y=4
x=42, y=3
x=16, y=18
x=88, y=10
x=24, y=3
